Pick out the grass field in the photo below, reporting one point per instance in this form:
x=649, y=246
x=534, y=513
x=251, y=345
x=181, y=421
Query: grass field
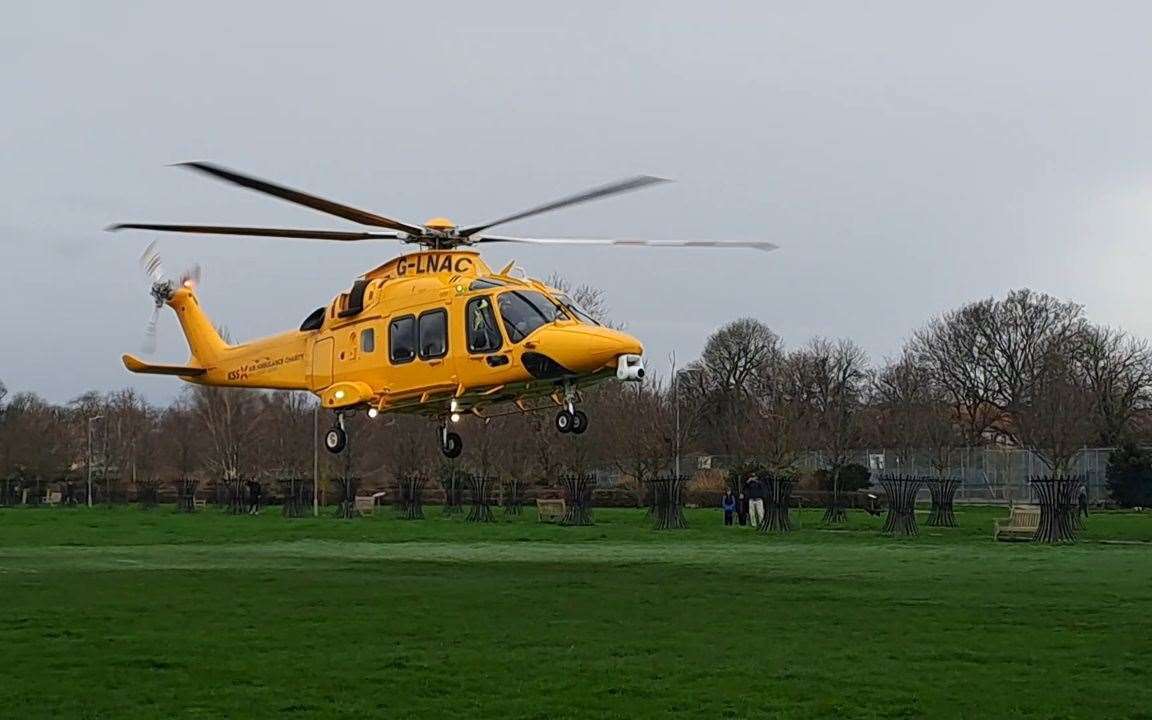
x=130, y=614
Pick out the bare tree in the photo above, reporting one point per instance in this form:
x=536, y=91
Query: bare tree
x=728, y=380
x=833, y=376
x=915, y=414
x=228, y=416
x=990, y=355
x=641, y=437
x=1057, y=420
x=1117, y=370
x=587, y=298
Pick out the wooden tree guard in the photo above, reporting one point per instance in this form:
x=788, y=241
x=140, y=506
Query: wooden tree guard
x=777, y=501
x=577, y=499
x=943, y=494
x=479, y=494
x=512, y=495
x=294, y=496
x=411, y=506
x=667, y=504
x=901, y=495
x=1058, y=509
x=453, y=482
x=347, y=487
x=835, y=512
x=148, y=493
x=186, y=495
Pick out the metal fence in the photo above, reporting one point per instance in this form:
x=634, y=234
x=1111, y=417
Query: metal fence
x=988, y=474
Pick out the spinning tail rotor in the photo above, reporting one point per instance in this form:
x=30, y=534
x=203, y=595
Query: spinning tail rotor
x=162, y=290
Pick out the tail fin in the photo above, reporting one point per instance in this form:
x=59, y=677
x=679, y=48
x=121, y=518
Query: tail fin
x=203, y=340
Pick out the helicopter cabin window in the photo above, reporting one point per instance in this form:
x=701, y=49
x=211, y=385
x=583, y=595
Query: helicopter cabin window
x=433, y=334
x=402, y=339
x=368, y=340
x=523, y=311
x=483, y=335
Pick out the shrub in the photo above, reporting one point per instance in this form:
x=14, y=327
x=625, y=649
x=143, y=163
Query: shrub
x=1129, y=475
x=853, y=477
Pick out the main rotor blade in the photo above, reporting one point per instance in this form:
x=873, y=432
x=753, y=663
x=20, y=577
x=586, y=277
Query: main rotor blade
x=621, y=186
x=259, y=232
x=301, y=198
x=754, y=244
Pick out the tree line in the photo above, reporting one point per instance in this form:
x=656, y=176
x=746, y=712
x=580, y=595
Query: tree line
x=1027, y=370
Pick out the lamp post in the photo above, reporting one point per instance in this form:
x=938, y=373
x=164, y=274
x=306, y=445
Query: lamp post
x=316, y=460
x=91, y=420
x=676, y=401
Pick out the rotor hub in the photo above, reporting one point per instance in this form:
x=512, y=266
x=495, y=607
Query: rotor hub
x=440, y=225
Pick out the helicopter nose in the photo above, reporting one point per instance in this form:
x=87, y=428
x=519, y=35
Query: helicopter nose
x=577, y=349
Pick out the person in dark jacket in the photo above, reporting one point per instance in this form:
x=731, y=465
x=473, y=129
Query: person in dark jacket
x=1082, y=501
x=254, y=493
x=729, y=505
x=742, y=508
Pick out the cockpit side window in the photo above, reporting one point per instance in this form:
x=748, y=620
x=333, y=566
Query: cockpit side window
x=523, y=311
x=483, y=335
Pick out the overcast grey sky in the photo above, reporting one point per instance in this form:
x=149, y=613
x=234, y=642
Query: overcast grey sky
x=908, y=157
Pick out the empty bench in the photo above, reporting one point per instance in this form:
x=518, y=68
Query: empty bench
x=550, y=510
x=1020, y=525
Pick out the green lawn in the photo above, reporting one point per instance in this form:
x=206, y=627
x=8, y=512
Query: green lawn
x=130, y=614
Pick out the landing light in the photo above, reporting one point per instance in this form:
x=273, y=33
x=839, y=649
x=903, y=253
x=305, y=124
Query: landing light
x=453, y=406
x=455, y=417
x=373, y=412
x=339, y=394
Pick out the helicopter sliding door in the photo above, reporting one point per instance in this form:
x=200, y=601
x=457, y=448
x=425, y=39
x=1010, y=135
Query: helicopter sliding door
x=322, y=363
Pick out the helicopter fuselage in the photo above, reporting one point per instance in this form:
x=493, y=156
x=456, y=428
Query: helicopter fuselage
x=433, y=332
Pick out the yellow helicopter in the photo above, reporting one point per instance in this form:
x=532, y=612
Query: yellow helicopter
x=435, y=332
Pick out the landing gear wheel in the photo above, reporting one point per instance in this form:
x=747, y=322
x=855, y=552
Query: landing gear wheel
x=564, y=421
x=335, y=440
x=452, y=445
x=579, y=422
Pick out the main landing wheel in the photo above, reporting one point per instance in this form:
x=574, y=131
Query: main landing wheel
x=452, y=445
x=335, y=440
x=564, y=421
x=579, y=422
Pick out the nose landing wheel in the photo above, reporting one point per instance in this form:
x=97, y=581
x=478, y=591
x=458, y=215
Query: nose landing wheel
x=450, y=443
x=568, y=421
x=336, y=439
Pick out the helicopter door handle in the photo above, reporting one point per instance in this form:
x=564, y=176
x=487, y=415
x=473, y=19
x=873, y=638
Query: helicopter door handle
x=497, y=360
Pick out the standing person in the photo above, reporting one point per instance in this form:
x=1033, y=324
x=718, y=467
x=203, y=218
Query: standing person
x=729, y=505
x=254, y=491
x=1082, y=501
x=755, y=490
x=742, y=508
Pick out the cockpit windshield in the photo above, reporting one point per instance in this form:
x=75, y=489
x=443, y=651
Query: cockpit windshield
x=574, y=309
x=523, y=311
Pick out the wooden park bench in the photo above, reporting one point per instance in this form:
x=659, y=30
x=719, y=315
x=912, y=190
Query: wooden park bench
x=199, y=503
x=365, y=504
x=54, y=497
x=1020, y=525
x=550, y=510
